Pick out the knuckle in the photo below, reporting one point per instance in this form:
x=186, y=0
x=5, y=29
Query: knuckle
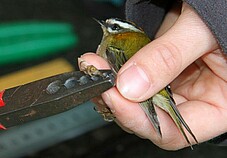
x=169, y=58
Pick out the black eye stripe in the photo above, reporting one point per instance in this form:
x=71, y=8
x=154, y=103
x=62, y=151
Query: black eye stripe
x=114, y=27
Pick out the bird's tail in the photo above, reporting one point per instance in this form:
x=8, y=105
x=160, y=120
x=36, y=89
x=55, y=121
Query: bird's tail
x=167, y=103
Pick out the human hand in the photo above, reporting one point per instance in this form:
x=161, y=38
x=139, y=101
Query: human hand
x=186, y=54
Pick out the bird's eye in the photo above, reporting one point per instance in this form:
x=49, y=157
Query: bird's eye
x=115, y=27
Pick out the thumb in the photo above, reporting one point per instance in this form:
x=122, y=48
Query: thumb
x=158, y=63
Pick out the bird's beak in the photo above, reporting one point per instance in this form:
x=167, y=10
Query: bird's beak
x=103, y=24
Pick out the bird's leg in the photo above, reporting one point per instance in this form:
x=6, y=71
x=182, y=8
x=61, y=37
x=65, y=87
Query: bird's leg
x=105, y=112
x=89, y=69
x=102, y=109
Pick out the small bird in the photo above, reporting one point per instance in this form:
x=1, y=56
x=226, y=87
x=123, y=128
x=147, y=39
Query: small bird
x=121, y=40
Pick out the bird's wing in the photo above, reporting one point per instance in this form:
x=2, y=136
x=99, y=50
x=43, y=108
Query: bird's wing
x=115, y=57
x=149, y=109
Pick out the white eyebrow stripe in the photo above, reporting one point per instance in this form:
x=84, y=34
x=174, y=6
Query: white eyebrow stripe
x=111, y=31
x=123, y=24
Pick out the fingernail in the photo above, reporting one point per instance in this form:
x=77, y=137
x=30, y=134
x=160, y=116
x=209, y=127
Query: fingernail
x=133, y=82
x=106, y=98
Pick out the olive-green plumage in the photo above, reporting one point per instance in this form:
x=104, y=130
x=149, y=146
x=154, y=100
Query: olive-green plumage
x=121, y=40
x=131, y=45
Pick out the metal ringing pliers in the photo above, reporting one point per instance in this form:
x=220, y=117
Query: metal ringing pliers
x=50, y=96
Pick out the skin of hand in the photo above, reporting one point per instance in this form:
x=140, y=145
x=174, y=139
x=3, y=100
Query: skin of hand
x=186, y=54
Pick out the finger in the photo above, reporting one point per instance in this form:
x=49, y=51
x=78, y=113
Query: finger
x=129, y=114
x=158, y=63
x=123, y=127
x=95, y=60
x=216, y=61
